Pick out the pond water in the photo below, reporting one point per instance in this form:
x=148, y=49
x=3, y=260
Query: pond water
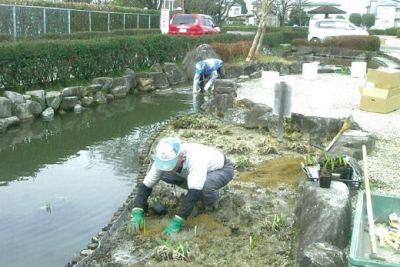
x=61, y=181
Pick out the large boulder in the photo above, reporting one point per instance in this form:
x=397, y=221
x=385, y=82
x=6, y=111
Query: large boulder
x=324, y=215
x=130, y=75
x=15, y=98
x=225, y=86
x=221, y=103
x=53, y=99
x=38, y=96
x=7, y=122
x=69, y=102
x=233, y=71
x=351, y=142
x=201, y=52
x=94, y=88
x=146, y=84
x=160, y=79
x=5, y=107
x=48, y=114
x=120, y=91
x=106, y=83
x=322, y=255
x=100, y=98
x=258, y=116
x=70, y=91
x=87, y=101
x=23, y=111
x=34, y=107
x=174, y=73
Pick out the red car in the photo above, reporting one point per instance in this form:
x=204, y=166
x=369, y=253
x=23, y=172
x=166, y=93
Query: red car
x=192, y=24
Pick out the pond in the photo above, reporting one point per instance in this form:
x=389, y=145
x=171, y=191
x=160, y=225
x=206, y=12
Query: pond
x=61, y=181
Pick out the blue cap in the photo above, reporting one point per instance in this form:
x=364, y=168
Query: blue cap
x=167, y=153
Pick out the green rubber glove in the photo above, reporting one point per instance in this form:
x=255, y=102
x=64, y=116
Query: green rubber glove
x=137, y=219
x=174, y=226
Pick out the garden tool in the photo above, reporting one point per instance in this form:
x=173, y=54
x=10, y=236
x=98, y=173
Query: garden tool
x=370, y=214
x=346, y=125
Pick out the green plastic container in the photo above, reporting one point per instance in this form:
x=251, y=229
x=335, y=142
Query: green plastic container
x=360, y=249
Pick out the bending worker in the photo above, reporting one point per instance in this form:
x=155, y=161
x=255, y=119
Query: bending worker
x=200, y=169
x=208, y=68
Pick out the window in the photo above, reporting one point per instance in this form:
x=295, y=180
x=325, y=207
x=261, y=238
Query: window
x=184, y=19
x=326, y=24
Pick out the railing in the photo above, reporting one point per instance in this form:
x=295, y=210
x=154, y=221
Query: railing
x=22, y=21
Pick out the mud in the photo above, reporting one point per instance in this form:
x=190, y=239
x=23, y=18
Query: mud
x=254, y=223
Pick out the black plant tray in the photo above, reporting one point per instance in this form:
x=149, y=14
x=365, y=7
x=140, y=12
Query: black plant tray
x=353, y=184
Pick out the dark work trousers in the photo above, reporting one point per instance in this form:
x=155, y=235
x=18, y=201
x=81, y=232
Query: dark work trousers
x=214, y=181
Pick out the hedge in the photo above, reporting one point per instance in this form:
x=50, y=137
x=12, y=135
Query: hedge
x=365, y=43
x=80, y=6
x=389, y=31
x=81, y=35
x=244, y=28
x=30, y=65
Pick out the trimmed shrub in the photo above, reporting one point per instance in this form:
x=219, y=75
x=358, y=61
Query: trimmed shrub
x=274, y=39
x=6, y=37
x=230, y=51
x=389, y=31
x=29, y=65
x=366, y=43
x=300, y=42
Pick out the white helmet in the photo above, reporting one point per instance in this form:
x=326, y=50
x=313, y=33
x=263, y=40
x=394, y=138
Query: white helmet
x=167, y=153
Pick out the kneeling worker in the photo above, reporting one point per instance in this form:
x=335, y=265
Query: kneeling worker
x=200, y=169
x=208, y=68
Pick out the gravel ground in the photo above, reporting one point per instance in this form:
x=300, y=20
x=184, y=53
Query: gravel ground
x=335, y=95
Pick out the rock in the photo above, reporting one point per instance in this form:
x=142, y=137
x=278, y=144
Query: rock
x=70, y=91
x=258, y=116
x=93, y=246
x=22, y=111
x=120, y=91
x=27, y=97
x=38, y=96
x=351, y=142
x=87, y=101
x=156, y=67
x=255, y=75
x=34, y=107
x=175, y=74
x=100, y=98
x=145, y=85
x=318, y=128
x=105, y=82
x=69, y=102
x=94, y=88
x=5, y=107
x=160, y=79
x=220, y=103
x=201, y=52
x=7, y=122
x=120, y=81
x=322, y=255
x=78, y=108
x=233, y=71
x=243, y=78
x=110, y=98
x=130, y=75
x=224, y=83
x=15, y=98
x=82, y=91
x=324, y=215
x=48, y=114
x=86, y=252
x=53, y=99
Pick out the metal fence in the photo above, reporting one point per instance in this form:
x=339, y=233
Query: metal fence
x=23, y=21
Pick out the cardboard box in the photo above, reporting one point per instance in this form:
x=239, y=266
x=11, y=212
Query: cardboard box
x=385, y=78
x=380, y=100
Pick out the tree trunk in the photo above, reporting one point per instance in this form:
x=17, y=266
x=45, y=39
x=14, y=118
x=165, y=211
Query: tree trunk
x=260, y=41
x=260, y=31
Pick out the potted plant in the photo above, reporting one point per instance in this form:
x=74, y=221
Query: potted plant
x=325, y=174
x=343, y=168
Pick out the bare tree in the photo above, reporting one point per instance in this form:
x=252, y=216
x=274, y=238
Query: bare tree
x=283, y=8
x=218, y=9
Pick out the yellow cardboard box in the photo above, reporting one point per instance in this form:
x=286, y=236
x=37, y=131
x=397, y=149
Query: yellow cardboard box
x=380, y=100
x=385, y=78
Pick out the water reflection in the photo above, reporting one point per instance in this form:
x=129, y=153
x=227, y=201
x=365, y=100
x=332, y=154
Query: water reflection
x=65, y=178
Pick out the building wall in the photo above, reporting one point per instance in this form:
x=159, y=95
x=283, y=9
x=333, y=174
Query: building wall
x=385, y=17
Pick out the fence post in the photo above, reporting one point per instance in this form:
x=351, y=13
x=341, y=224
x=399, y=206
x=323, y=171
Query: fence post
x=69, y=21
x=90, y=21
x=124, y=22
x=44, y=21
x=137, y=21
x=149, y=21
x=108, y=22
x=14, y=22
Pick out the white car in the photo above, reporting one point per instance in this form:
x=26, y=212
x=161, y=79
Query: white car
x=320, y=29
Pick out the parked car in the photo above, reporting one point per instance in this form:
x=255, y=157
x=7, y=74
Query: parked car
x=192, y=24
x=319, y=30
